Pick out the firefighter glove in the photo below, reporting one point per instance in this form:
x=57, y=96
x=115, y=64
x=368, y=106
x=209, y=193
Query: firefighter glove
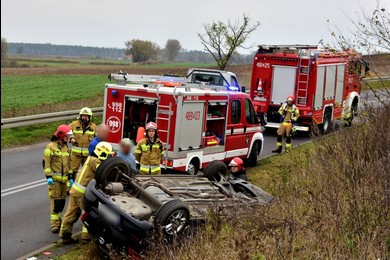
x=70, y=183
x=50, y=181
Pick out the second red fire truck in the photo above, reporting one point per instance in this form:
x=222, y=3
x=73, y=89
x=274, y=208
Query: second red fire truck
x=198, y=122
x=326, y=84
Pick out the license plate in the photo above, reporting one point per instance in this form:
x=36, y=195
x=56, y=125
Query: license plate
x=108, y=214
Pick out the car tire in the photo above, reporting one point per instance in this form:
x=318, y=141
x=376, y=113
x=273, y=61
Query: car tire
x=172, y=217
x=215, y=171
x=252, y=159
x=110, y=170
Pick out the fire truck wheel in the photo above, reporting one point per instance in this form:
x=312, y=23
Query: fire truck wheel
x=354, y=110
x=253, y=157
x=326, y=124
x=215, y=171
x=193, y=167
x=110, y=170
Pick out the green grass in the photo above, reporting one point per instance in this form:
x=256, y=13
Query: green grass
x=31, y=61
x=374, y=85
x=28, y=91
x=27, y=135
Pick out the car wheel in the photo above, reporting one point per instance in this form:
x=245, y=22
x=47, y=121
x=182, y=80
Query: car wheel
x=111, y=170
x=215, y=171
x=254, y=155
x=172, y=217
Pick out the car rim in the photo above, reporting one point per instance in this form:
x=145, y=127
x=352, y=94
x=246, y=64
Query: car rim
x=176, y=222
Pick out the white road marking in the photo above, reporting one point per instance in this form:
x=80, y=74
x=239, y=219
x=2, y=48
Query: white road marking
x=23, y=187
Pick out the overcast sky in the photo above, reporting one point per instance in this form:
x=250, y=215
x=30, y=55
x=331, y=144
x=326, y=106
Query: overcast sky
x=105, y=23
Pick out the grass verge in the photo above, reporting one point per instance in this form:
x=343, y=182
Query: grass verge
x=375, y=85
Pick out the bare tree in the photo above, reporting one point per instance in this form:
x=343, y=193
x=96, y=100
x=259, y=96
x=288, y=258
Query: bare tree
x=4, y=50
x=371, y=36
x=172, y=49
x=221, y=40
x=142, y=50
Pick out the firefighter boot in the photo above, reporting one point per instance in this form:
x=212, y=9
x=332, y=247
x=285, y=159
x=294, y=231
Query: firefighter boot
x=288, y=144
x=85, y=239
x=67, y=239
x=278, y=144
x=277, y=150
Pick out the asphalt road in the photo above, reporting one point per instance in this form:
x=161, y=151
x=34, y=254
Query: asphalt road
x=25, y=206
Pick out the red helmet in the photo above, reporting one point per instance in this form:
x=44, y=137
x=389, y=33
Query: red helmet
x=151, y=125
x=237, y=162
x=291, y=97
x=62, y=131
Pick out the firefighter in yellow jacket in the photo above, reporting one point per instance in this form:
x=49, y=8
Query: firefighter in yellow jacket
x=56, y=166
x=150, y=151
x=84, y=130
x=102, y=151
x=289, y=114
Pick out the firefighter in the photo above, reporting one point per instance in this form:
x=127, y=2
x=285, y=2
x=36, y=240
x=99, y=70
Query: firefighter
x=150, y=151
x=289, y=115
x=237, y=168
x=84, y=131
x=102, y=151
x=56, y=166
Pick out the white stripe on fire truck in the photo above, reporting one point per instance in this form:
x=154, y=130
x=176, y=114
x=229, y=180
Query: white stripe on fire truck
x=241, y=130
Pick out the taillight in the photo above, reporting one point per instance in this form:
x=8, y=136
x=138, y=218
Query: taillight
x=84, y=216
x=169, y=163
x=132, y=254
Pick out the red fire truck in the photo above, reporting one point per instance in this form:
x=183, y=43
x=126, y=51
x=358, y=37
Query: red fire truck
x=198, y=122
x=326, y=84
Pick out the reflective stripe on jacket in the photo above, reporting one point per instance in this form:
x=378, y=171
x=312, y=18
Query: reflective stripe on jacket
x=149, y=154
x=84, y=176
x=289, y=112
x=56, y=161
x=149, y=168
x=83, y=138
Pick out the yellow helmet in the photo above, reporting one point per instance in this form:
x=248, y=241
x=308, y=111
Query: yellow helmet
x=86, y=111
x=103, y=150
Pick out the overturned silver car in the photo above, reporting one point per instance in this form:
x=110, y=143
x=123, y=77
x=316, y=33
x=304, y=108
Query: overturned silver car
x=122, y=207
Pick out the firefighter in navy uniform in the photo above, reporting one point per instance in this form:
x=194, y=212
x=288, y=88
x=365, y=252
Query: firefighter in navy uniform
x=150, y=151
x=102, y=151
x=56, y=166
x=289, y=115
x=84, y=130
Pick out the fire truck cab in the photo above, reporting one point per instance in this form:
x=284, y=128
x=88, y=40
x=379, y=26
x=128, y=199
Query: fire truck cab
x=197, y=122
x=326, y=84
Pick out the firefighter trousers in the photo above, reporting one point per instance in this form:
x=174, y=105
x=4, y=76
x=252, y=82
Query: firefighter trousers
x=71, y=216
x=57, y=195
x=77, y=161
x=284, y=130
